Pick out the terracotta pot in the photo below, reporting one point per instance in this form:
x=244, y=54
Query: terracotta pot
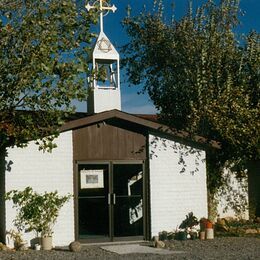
x=46, y=243
x=203, y=223
x=202, y=235
x=209, y=224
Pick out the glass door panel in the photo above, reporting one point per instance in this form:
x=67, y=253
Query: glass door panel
x=93, y=207
x=128, y=200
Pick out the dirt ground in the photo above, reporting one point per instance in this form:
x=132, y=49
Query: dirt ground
x=237, y=248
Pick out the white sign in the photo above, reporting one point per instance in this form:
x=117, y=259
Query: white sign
x=136, y=213
x=91, y=179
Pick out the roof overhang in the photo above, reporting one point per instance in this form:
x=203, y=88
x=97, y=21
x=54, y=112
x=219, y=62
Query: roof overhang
x=139, y=121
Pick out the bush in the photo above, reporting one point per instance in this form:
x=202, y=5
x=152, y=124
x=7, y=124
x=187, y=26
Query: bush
x=36, y=212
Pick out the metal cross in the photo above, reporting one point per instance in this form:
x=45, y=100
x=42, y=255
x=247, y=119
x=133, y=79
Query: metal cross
x=103, y=6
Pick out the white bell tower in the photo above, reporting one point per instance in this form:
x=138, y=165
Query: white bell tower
x=105, y=89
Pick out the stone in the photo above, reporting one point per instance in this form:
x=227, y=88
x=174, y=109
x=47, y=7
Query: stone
x=3, y=247
x=258, y=230
x=221, y=225
x=159, y=244
x=75, y=246
x=251, y=231
x=153, y=241
x=257, y=220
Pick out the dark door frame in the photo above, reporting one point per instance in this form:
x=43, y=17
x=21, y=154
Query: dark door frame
x=110, y=163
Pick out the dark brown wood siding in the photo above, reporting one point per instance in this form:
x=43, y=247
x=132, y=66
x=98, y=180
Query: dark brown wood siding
x=107, y=142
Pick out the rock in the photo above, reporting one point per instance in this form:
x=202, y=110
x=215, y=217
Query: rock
x=159, y=244
x=221, y=221
x=75, y=246
x=3, y=247
x=258, y=230
x=153, y=241
x=257, y=220
x=222, y=225
x=251, y=231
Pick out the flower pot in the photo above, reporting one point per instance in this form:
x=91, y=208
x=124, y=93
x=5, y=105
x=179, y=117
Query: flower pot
x=37, y=247
x=46, y=243
x=202, y=235
x=209, y=224
x=209, y=233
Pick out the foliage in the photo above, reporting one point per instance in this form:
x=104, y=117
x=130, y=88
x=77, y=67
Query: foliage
x=36, y=212
x=203, y=77
x=43, y=66
x=235, y=193
x=189, y=222
x=200, y=74
x=237, y=227
x=16, y=237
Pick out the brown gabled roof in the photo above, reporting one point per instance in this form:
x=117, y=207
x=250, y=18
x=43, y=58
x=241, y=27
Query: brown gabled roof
x=146, y=121
x=149, y=117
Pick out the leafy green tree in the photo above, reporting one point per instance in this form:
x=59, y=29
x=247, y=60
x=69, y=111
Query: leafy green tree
x=44, y=50
x=202, y=77
x=43, y=58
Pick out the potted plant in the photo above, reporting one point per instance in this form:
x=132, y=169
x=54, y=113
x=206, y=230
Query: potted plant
x=187, y=227
x=37, y=212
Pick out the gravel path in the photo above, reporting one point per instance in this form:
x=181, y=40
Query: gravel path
x=237, y=248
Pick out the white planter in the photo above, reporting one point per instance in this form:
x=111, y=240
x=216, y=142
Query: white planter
x=37, y=247
x=46, y=243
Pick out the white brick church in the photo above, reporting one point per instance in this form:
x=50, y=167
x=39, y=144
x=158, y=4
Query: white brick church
x=130, y=176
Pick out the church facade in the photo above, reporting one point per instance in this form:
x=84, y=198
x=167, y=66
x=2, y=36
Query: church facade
x=129, y=179
x=130, y=176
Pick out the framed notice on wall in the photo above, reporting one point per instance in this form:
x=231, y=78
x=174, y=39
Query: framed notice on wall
x=91, y=179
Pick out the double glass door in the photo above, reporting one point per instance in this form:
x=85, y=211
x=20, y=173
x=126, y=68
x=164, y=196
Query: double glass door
x=110, y=201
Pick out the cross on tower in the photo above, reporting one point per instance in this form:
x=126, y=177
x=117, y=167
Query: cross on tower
x=101, y=6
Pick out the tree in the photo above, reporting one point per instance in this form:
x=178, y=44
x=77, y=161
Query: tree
x=43, y=54
x=202, y=77
x=43, y=67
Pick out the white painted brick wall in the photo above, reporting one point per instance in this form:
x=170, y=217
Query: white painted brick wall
x=44, y=172
x=175, y=194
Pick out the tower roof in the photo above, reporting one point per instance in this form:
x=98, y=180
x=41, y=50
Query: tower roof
x=104, y=49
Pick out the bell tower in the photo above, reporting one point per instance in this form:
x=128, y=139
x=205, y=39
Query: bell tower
x=105, y=87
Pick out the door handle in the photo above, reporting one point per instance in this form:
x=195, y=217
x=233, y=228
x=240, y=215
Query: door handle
x=109, y=198
x=114, y=198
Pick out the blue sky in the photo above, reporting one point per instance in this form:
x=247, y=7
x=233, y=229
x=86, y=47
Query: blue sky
x=131, y=101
